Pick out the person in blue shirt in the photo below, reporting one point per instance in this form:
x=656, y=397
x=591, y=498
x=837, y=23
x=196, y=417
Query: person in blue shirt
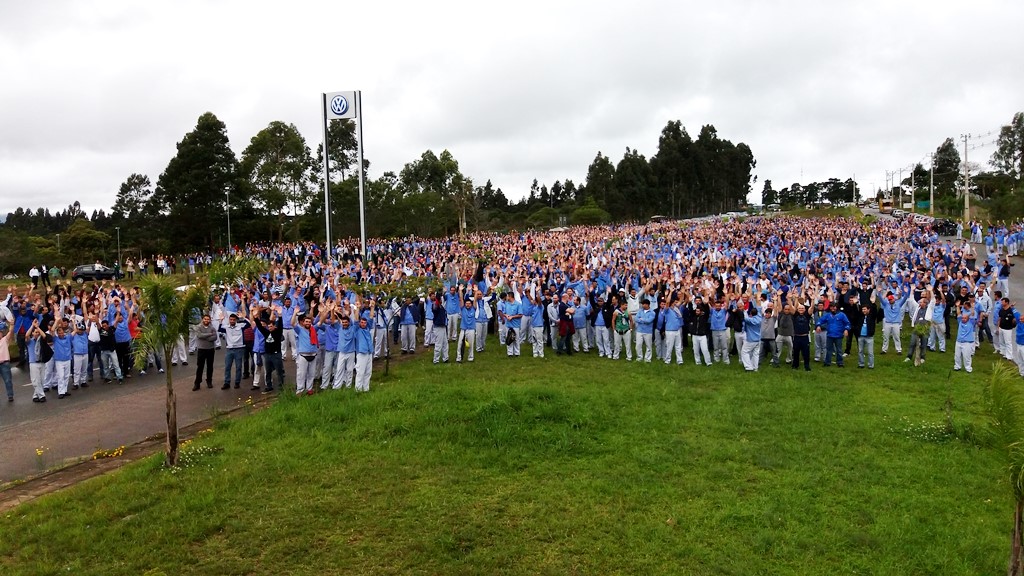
x=720, y=332
x=34, y=346
x=408, y=319
x=327, y=332
x=673, y=324
x=467, y=335
x=80, y=353
x=483, y=317
x=836, y=327
x=537, y=324
x=750, y=356
x=513, y=322
x=345, y=346
x=453, y=307
x=967, y=322
x=644, y=331
x=62, y=358
x=364, y=353
x=892, y=309
x=581, y=311
x=287, y=312
x=307, y=346
x=1018, y=355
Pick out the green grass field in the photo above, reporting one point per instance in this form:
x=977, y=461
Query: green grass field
x=560, y=466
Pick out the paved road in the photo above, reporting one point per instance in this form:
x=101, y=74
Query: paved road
x=101, y=416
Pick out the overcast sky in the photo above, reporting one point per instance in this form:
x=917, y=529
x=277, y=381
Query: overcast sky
x=92, y=91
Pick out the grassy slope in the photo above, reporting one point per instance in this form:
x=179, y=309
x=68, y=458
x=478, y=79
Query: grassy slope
x=558, y=466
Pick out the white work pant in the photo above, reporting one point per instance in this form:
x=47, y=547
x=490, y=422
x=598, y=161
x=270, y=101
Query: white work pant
x=364, y=368
x=962, y=356
x=441, y=344
x=644, y=346
x=579, y=339
x=380, y=336
x=891, y=330
x=622, y=342
x=700, y=348
x=346, y=363
x=481, y=336
x=330, y=365
x=36, y=371
x=1007, y=339
x=409, y=337
x=288, y=344
x=538, y=341
x=81, y=364
x=429, y=335
x=453, y=326
x=721, y=339
x=673, y=344
x=514, y=347
x=502, y=332
x=659, y=345
x=178, y=353
x=750, y=355
x=467, y=342
x=62, y=373
x=604, y=344
x=305, y=373
x=1018, y=357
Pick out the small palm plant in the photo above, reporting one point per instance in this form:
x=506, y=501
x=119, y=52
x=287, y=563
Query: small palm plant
x=1005, y=432
x=167, y=311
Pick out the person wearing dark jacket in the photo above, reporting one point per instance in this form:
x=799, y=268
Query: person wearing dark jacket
x=863, y=325
x=850, y=306
x=803, y=323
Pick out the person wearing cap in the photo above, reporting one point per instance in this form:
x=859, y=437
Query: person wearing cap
x=467, y=335
x=644, y=320
x=892, y=309
x=836, y=326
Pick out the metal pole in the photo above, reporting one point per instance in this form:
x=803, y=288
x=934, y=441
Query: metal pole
x=327, y=177
x=227, y=198
x=118, y=228
x=913, y=190
x=931, y=187
x=901, y=189
x=359, y=154
x=967, y=184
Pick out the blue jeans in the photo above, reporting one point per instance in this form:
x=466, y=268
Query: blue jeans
x=834, y=344
x=233, y=357
x=5, y=373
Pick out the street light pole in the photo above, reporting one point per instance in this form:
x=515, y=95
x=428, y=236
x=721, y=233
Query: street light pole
x=118, y=228
x=227, y=196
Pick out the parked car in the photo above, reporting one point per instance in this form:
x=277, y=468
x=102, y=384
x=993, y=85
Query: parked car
x=87, y=272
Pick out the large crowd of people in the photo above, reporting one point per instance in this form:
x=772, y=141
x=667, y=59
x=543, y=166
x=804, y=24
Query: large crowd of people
x=778, y=291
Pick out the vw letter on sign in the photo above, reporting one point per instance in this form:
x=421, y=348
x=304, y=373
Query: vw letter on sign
x=340, y=105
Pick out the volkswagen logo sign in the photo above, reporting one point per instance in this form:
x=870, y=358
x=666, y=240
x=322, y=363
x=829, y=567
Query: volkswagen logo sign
x=339, y=105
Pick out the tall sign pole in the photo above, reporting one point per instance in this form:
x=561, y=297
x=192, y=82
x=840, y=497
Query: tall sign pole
x=343, y=106
x=327, y=177
x=359, y=155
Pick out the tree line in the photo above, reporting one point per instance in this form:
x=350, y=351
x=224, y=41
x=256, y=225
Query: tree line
x=274, y=192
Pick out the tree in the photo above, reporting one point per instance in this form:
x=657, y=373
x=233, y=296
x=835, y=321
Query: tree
x=341, y=137
x=633, y=194
x=1009, y=155
x=601, y=180
x=83, y=243
x=589, y=214
x=190, y=192
x=167, y=312
x=276, y=164
x=132, y=197
x=946, y=167
x=1005, y=432
x=768, y=194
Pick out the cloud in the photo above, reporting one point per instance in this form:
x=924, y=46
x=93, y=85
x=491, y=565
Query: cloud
x=95, y=91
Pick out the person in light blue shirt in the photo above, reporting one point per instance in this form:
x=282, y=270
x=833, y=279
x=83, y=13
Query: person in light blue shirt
x=364, y=354
x=837, y=327
x=937, y=337
x=967, y=322
x=579, y=322
x=537, y=324
x=673, y=324
x=720, y=332
x=1018, y=355
x=62, y=358
x=644, y=321
x=513, y=321
x=892, y=309
x=750, y=356
x=467, y=335
x=80, y=355
x=453, y=307
x=327, y=332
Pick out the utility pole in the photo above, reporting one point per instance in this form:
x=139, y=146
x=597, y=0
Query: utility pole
x=913, y=190
x=901, y=189
x=967, y=183
x=931, y=187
